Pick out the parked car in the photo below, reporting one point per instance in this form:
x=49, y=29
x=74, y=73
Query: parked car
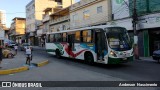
x=12, y=44
x=156, y=55
x=8, y=53
x=24, y=46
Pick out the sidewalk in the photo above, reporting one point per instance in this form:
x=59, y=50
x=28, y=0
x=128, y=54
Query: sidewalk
x=147, y=59
x=20, y=59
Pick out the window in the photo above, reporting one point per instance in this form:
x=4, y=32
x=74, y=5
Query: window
x=51, y=38
x=86, y=14
x=64, y=37
x=77, y=36
x=64, y=27
x=57, y=37
x=75, y=17
x=99, y=9
x=87, y=36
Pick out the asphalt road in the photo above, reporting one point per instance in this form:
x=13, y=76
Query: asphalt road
x=72, y=70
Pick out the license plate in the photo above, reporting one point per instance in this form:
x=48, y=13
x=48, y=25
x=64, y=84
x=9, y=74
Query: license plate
x=124, y=58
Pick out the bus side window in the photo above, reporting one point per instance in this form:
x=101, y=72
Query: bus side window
x=77, y=36
x=57, y=37
x=48, y=39
x=87, y=36
x=64, y=37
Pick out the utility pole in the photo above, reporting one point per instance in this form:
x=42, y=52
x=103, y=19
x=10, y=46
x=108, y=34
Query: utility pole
x=135, y=19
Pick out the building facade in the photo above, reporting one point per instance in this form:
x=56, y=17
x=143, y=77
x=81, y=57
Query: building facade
x=17, y=30
x=34, y=14
x=90, y=12
x=43, y=28
x=60, y=20
x=2, y=18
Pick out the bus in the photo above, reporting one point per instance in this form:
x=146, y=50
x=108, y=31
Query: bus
x=101, y=44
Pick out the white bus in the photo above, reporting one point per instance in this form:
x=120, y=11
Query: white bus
x=101, y=44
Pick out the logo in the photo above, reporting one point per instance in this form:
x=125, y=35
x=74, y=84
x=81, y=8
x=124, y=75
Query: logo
x=6, y=84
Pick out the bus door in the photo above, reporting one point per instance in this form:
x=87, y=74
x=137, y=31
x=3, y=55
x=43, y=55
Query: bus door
x=71, y=38
x=100, y=44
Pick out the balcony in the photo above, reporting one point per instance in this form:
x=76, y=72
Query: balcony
x=65, y=18
x=39, y=32
x=45, y=18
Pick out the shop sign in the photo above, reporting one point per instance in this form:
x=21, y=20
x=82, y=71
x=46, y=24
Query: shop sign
x=149, y=21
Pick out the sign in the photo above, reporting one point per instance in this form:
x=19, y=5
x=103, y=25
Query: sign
x=39, y=32
x=120, y=9
x=149, y=21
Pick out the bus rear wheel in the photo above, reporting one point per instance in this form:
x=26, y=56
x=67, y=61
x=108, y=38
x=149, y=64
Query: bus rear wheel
x=89, y=58
x=58, y=55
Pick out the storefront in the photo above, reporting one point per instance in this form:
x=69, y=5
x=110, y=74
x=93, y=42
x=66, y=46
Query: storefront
x=150, y=24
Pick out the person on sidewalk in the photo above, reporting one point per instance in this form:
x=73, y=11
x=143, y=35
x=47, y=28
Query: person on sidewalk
x=16, y=48
x=28, y=55
x=1, y=55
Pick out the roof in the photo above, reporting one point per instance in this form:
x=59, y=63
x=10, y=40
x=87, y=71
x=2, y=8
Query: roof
x=92, y=27
x=47, y=9
x=19, y=18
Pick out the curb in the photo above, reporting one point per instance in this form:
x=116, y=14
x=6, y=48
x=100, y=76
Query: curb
x=42, y=63
x=21, y=69
x=15, y=70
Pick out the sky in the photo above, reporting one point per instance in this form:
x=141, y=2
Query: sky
x=14, y=8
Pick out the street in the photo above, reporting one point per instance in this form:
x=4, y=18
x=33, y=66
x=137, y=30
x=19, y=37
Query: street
x=72, y=70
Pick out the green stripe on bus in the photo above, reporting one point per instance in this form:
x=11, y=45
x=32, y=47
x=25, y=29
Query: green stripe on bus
x=50, y=50
x=119, y=60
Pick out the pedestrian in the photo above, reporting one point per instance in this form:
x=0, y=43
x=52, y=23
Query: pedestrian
x=28, y=55
x=1, y=56
x=16, y=48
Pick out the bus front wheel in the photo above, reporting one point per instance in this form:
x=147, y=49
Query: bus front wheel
x=89, y=58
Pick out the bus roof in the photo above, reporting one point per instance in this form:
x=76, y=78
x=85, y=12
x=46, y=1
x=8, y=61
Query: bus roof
x=79, y=29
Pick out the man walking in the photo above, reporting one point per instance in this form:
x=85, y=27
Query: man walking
x=16, y=48
x=28, y=55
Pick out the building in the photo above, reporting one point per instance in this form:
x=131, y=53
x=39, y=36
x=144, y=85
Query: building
x=43, y=27
x=60, y=20
x=17, y=30
x=89, y=13
x=148, y=25
x=34, y=14
x=2, y=17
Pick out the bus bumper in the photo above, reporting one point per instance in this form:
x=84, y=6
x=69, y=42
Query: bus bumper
x=119, y=60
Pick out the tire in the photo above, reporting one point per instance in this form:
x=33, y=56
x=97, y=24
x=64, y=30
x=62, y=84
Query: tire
x=89, y=59
x=10, y=56
x=58, y=55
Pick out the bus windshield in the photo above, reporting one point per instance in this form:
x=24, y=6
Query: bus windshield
x=118, y=39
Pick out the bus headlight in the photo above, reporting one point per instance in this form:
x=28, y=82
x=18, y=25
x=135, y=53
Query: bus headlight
x=113, y=54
